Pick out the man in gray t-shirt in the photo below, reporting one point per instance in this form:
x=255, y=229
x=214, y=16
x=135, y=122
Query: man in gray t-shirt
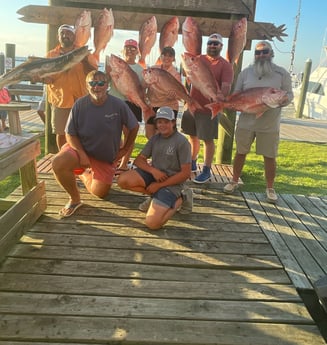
x=264, y=129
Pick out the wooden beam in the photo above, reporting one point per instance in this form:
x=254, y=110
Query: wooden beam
x=133, y=20
x=198, y=8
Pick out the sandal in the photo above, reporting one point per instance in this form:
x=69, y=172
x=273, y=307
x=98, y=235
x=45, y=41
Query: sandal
x=69, y=209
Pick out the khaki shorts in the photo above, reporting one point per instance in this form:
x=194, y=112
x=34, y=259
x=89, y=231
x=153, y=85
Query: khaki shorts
x=59, y=117
x=200, y=125
x=266, y=143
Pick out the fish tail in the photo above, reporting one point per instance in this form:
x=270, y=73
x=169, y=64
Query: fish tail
x=94, y=59
x=147, y=113
x=215, y=108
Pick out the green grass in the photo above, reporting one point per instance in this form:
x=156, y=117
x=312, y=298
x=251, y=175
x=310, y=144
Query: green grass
x=301, y=169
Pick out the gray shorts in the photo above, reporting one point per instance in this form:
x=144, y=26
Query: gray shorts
x=59, y=117
x=164, y=196
x=200, y=125
x=266, y=143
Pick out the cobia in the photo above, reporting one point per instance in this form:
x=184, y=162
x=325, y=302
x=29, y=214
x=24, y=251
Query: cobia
x=36, y=69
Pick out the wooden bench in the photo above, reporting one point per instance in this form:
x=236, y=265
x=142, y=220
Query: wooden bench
x=17, y=216
x=19, y=90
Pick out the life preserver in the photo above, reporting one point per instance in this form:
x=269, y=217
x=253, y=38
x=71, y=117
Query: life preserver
x=4, y=96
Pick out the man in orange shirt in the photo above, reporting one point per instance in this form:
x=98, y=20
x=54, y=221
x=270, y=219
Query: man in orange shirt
x=66, y=87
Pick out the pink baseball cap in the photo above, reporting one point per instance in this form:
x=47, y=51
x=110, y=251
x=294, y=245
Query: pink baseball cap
x=131, y=42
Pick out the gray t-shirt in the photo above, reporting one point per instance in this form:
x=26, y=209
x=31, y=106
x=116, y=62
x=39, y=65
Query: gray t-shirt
x=270, y=120
x=168, y=154
x=99, y=128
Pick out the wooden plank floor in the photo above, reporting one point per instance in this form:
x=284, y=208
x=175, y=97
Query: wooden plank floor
x=297, y=229
x=100, y=277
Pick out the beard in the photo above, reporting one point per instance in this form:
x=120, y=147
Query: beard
x=263, y=68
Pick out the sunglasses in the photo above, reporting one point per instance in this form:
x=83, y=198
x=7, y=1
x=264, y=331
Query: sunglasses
x=214, y=43
x=97, y=83
x=263, y=51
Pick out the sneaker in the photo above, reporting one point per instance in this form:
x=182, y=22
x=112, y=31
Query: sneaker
x=187, y=205
x=231, y=187
x=204, y=176
x=194, y=166
x=144, y=206
x=271, y=195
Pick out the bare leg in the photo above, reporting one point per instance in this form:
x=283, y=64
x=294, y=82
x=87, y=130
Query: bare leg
x=94, y=187
x=209, y=151
x=195, y=146
x=61, y=140
x=158, y=215
x=239, y=161
x=270, y=171
x=63, y=165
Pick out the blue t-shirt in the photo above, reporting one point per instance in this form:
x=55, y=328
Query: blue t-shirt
x=99, y=128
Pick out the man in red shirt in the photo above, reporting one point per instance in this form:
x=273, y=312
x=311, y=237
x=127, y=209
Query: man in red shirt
x=201, y=126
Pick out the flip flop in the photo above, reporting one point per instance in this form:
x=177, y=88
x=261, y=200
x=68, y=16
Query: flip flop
x=69, y=209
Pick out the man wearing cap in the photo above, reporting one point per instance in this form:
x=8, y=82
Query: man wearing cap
x=201, y=126
x=130, y=53
x=264, y=129
x=65, y=87
x=164, y=178
x=168, y=98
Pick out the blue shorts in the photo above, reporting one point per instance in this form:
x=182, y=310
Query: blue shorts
x=164, y=196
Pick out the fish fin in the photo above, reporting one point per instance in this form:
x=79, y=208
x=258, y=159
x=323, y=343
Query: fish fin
x=142, y=63
x=215, y=108
x=158, y=62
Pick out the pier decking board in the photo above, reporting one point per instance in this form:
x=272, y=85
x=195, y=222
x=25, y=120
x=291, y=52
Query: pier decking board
x=297, y=231
x=100, y=276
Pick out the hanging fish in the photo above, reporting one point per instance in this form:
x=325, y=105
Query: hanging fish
x=192, y=36
x=147, y=38
x=127, y=83
x=103, y=31
x=83, y=25
x=237, y=40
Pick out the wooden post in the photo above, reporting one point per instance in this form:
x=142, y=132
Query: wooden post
x=52, y=41
x=2, y=63
x=10, y=56
x=304, y=89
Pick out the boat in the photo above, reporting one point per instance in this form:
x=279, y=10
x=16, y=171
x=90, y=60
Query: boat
x=315, y=106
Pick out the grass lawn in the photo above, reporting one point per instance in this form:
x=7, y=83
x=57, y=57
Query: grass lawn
x=301, y=169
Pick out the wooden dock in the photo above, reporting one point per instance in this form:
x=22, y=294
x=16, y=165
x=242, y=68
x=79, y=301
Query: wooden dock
x=229, y=273
x=211, y=277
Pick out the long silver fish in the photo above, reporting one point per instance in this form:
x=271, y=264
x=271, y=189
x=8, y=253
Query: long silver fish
x=36, y=69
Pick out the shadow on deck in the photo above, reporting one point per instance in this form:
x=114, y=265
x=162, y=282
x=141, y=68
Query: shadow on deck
x=211, y=277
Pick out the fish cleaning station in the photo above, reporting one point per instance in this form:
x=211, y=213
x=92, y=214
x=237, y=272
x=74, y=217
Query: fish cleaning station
x=235, y=271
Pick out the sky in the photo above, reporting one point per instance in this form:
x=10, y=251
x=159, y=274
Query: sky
x=30, y=38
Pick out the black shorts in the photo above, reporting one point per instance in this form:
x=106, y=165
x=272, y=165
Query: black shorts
x=137, y=111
